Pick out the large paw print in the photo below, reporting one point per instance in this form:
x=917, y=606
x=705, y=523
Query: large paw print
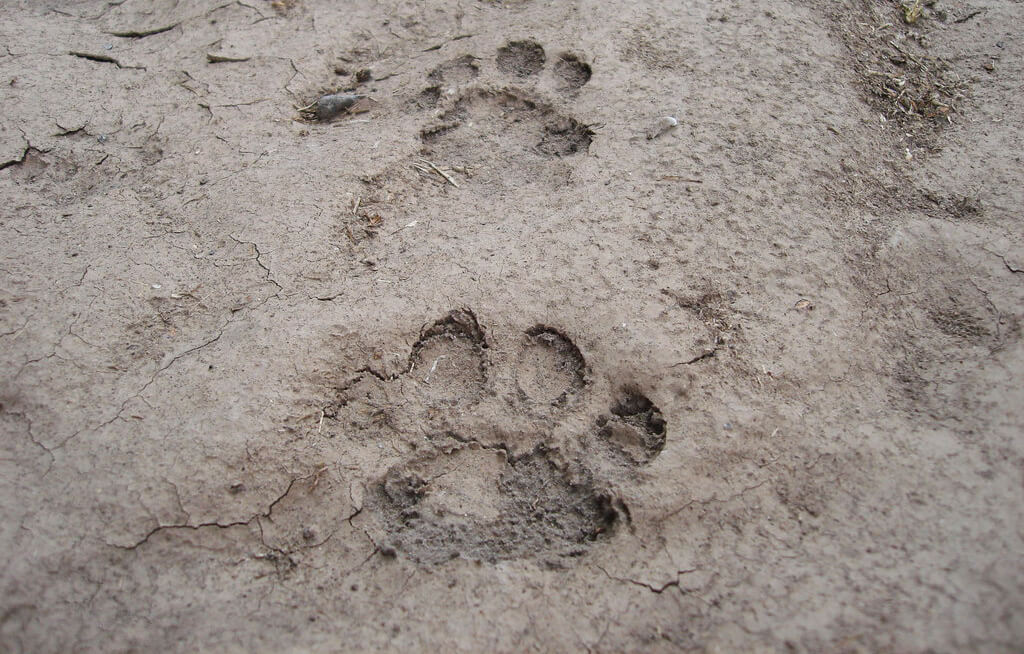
x=509, y=455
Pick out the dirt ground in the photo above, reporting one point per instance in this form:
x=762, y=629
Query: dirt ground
x=482, y=366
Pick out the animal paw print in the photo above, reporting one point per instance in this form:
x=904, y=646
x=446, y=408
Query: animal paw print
x=510, y=451
x=497, y=124
x=485, y=118
x=524, y=59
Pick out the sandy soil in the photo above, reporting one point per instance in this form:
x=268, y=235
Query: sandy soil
x=480, y=365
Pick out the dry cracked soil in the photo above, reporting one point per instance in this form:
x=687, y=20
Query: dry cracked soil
x=491, y=361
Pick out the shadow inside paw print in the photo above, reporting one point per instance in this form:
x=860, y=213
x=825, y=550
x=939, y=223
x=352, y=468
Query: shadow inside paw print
x=636, y=428
x=521, y=58
x=571, y=72
x=484, y=477
x=449, y=74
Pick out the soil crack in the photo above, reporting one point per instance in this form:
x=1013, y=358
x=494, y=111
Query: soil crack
x=103, y=59
x=221, y=525
x=124, y=404
x=20, y=158
x=700, y=357
x=649, y=586
x=141, y=34
x=259, y=262
x=36, y=441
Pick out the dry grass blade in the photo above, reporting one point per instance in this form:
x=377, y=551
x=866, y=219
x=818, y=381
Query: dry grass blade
x=427, y=166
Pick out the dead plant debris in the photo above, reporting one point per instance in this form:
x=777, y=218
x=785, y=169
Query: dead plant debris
x=917, y=92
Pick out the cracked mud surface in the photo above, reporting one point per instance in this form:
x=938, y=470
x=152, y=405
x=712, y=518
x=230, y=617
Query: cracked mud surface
x=478, y=366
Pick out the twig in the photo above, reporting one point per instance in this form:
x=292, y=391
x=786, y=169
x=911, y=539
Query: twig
x=412, y=224
x=443, y=43
x=224, y=59
x=700, y=357
x=964, y=19
x=679, y=178
x=426, y=380
x=440, y=172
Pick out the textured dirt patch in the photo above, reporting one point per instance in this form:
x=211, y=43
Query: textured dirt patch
x=908, y=85
x=550, y=366
x=571, y=71
x=476, y=365
x=478, y=504
x=456, y=71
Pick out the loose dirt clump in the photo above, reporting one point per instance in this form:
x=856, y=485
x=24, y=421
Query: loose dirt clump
x=917, y=91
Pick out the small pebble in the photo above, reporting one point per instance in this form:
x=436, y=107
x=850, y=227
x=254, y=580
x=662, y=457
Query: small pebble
x=664, y=124
x=329, y=106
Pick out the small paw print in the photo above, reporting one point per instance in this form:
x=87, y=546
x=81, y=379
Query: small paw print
x=499, y=112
